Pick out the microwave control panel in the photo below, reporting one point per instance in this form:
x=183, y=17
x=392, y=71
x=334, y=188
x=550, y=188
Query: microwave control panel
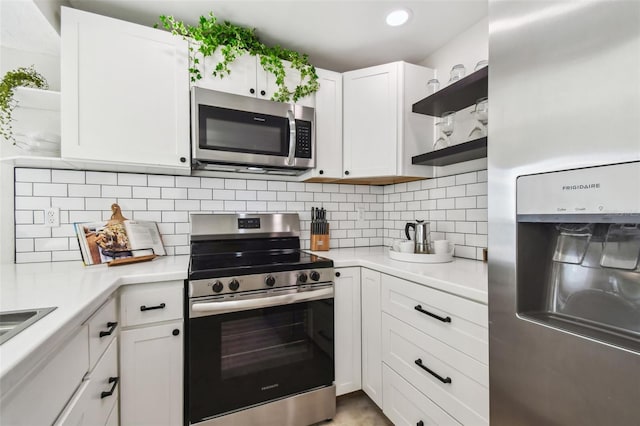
x=303, y=139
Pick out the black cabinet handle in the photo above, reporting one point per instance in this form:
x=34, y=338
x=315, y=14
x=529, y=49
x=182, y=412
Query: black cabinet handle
x=433, y=373
x=439, y=318
x=113, y=380
x=346, y=172
x=112, y=326
x=262, y=92
x=337, y=274
x=175, y=332
x=151, y=308
x=420, y=423
x=321, y=172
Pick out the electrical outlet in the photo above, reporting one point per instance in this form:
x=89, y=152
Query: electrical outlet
x=52, y=217
x=360, y=214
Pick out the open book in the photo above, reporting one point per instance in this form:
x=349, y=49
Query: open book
x=102, y=242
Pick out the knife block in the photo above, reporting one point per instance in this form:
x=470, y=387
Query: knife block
x=320, y=242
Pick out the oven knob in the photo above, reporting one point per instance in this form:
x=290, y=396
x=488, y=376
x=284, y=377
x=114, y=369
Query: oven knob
x=315, y=275
x=234, y=285
x=270, y=281
x=217, y=287
x=302, y=277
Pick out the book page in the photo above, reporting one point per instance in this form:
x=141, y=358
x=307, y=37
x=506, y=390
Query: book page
x=144, y=235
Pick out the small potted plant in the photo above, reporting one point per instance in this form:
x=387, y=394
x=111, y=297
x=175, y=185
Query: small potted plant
x=20, y=77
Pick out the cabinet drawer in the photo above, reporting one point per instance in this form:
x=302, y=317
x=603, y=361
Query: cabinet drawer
x=97, y=396
x=147, y=303
x=466, y=328
x=50, y=387
x=103, y=327
x=404, y=405
x=455, y=382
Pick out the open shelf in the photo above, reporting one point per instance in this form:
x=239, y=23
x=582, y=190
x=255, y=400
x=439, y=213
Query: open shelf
x=459, y=95
x=465, y=151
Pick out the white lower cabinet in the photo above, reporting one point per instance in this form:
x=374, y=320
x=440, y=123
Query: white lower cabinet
x=151, y=354
x=404, y=405
x=96, y=399
x=434, y=348
x=347, y=330
x=371, y=336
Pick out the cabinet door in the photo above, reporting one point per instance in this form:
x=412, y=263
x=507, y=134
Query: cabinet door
x=125, y=92
x=347, y=330
x=371, y=121
x=151, y=373
x=371, y=336
x=240, y=81
x=328, y=126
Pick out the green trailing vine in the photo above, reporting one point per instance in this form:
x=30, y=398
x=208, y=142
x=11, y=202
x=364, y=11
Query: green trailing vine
x=234, y=41
x=23, y=76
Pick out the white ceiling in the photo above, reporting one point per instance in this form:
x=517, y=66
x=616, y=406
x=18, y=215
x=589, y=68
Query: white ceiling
x=337, y=35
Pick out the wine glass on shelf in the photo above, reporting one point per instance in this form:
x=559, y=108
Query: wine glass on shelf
x=446, y=127
x=481, y=113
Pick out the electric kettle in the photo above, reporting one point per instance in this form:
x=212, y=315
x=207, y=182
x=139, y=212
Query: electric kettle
x=422, y=235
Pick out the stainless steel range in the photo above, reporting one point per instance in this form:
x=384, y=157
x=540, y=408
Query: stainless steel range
x=260, y=331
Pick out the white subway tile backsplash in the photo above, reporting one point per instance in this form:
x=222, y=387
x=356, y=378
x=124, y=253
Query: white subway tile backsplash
x=32, y=175
x=50, y=189
x=456, y=205
x=101, y=178
x=24, y=188
x=162, y=181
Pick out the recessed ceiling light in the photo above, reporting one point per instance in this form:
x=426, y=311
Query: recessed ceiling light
x=397, y=17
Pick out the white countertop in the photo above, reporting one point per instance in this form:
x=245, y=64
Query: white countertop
x=462, y=277
x=76, y=291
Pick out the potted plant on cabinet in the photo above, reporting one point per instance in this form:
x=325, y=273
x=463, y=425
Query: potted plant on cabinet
x=232, y=41
x=20, y=77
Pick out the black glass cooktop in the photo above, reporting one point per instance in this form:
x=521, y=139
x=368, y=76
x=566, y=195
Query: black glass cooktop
x=214, y=259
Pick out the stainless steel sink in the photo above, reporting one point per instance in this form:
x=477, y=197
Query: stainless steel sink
x=13, y=322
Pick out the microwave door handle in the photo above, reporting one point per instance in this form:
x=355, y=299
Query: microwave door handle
x=292, y=137
x=213, y=308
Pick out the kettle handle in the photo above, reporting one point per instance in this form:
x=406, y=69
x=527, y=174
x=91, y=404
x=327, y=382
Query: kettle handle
x=406, y=229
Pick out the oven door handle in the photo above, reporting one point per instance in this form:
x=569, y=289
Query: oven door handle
x=214, y=308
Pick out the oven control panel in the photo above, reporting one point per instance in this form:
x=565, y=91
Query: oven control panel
x=252, y=282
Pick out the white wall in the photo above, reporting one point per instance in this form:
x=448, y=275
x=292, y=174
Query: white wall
x=467, y=49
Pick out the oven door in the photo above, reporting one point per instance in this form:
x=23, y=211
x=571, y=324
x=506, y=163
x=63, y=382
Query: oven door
x=259, y=348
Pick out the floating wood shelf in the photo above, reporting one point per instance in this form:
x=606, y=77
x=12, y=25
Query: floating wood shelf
x=459, y=95
x=466, y=151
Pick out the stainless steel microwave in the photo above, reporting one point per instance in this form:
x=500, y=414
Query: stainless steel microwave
x=243, y=134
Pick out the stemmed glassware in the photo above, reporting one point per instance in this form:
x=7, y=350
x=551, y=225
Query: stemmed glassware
x=481, y=113
x=446, y=127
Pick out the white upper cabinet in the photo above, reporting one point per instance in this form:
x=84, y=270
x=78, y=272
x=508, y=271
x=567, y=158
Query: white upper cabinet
x=381, y=134
x=328, y=132
x=125, y=93
x=246, y=77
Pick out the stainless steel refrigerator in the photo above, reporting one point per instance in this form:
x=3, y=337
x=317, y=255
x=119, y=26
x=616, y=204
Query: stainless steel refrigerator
x=564, y=212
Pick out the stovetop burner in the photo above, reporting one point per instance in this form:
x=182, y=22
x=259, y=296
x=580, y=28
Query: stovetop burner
x=254, y=262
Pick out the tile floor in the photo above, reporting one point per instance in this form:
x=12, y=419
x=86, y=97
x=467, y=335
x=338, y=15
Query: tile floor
x=356, y=409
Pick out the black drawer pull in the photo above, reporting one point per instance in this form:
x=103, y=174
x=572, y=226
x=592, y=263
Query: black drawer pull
x=113, y=380
x=439, y=318
x=112, y=326
x=420, y=423
x=434, y=374
x=151, y=308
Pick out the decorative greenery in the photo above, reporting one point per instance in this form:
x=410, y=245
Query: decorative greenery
x=26, y=77
x=234, y=41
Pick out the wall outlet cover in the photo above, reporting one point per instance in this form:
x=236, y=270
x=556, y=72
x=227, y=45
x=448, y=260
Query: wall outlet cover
x=52, y=217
